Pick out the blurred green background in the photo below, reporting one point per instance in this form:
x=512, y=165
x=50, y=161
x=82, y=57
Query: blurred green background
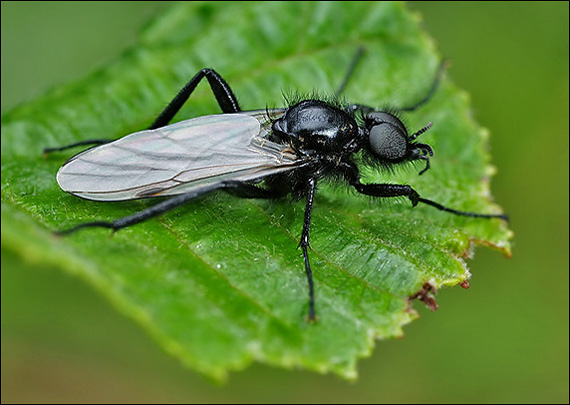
x=503, y=340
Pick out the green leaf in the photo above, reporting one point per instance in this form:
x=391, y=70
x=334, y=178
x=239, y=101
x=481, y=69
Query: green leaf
x=220, y=282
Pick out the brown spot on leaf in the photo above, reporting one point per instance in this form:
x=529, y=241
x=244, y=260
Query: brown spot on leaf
x=425, y=295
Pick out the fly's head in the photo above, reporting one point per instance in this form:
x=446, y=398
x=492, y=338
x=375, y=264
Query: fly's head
x=389, y=141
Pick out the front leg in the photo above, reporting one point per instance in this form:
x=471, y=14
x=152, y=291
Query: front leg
x=364, y=109
x=388, y=190
x=351, y=173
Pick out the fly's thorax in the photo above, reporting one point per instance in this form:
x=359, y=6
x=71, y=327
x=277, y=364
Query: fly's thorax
x=314, y=125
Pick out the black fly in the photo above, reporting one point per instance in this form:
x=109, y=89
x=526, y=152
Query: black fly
x=252, y=154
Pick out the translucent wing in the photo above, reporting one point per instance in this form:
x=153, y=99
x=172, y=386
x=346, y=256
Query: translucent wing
x=179, y=158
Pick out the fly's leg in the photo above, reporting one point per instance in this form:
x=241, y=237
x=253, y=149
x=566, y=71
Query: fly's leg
x=462, y=213
x=247, y=190
x=350, y=71
x=304, y=245
x=402, y=190
x=364, y=109
x=432, y=89
x=151, y=212
x=222, y=91
x=234, y=187
x=93, y=142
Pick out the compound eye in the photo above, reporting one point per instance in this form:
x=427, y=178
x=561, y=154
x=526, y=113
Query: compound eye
x=388, y=142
